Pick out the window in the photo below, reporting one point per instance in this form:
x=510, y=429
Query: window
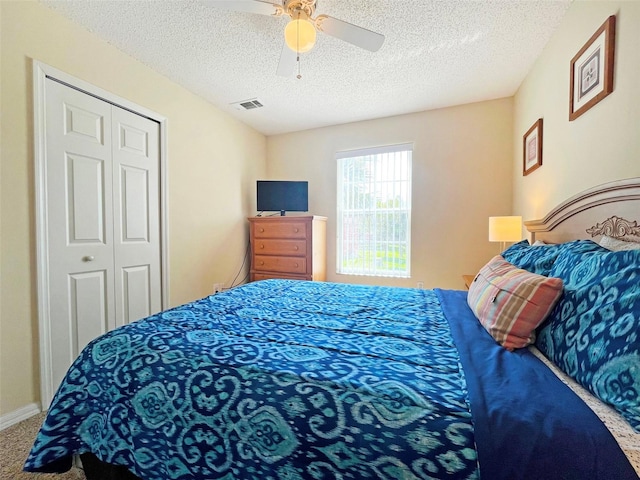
x=374, y=211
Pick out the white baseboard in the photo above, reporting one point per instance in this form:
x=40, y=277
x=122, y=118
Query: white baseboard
x=19, y=415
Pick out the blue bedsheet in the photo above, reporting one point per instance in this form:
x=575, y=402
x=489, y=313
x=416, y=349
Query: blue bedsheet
x=527, y=423
x=276, y=379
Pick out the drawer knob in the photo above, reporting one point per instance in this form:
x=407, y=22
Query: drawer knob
x=261, y=230
x=262, y=245
x=261, y=262
x=296, y=248
x=296, y=230
x=296, y=265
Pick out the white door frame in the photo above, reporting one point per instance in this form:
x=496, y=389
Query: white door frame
x=41, y=72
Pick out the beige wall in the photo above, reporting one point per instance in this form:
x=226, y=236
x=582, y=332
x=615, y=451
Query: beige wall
x=213, y=163
x=462, y=171
x=601, y=145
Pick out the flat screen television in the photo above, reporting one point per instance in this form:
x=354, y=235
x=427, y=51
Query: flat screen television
x=282, y=196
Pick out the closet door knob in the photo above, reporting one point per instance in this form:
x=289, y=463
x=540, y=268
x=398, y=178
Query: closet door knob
x=88, y=258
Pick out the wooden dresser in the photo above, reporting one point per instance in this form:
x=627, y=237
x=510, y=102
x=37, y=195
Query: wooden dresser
x=288, y=247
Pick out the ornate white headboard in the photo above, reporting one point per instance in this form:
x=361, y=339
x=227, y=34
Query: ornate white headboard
x=611, y=209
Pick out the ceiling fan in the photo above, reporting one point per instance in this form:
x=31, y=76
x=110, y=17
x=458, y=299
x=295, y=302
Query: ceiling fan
x=300, y=32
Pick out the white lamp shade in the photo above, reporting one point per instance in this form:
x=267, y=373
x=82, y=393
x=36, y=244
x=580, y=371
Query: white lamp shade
x=505, y=229
x=300, y=34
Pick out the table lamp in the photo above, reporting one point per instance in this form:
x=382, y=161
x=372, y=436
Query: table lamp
x=505, y=229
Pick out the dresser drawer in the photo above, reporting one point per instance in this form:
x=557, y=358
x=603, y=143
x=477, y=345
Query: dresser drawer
x=280, y=247
x=268, y=263
x=280, y=230
x=287, y=276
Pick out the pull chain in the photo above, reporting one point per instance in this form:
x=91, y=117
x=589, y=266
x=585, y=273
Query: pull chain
x=298, y=46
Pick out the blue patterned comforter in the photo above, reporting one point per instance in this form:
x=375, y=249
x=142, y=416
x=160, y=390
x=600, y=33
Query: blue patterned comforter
x=273, y=380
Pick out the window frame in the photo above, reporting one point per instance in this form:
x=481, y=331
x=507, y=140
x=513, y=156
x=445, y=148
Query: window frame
x=400, y=185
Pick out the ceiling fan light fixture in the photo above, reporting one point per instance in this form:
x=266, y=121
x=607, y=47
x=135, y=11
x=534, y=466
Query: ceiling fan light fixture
x=300, y=33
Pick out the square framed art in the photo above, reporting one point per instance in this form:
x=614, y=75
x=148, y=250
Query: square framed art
x=532, y=148
x=592, y=70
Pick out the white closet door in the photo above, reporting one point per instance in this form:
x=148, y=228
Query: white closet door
x=136, y=212
x=79, y=220
x=103, y=220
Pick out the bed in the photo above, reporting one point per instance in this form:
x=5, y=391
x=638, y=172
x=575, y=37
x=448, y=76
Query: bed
x=284, y=379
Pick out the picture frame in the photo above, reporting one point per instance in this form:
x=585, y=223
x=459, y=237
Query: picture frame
x=532, y=148
x=592, y=70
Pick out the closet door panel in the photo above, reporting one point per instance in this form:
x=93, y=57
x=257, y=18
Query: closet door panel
x=79, y=222
x=136, y=160
x=89, y=312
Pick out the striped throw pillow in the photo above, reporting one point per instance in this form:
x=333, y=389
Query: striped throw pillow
x=510, y=302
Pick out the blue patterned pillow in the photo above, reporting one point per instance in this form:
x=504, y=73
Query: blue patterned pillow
x=593, y=333
x=540, y=259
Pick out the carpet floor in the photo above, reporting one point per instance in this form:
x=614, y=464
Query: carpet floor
x=15, y=443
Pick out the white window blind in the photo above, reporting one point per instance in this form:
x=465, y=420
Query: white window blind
x=374, y=211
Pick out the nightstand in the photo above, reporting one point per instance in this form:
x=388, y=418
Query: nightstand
x=468, y=279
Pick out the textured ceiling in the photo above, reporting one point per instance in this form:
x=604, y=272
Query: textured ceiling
x=437, y=53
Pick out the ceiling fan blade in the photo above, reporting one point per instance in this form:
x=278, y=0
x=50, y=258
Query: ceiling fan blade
x=358, y=36
x=249, y=6
x=287, y=62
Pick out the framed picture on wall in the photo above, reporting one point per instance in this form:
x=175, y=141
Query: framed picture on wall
x=532, y=148
x=592, y=70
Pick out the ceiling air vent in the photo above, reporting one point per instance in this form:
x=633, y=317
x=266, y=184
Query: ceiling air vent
x=250, y=104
